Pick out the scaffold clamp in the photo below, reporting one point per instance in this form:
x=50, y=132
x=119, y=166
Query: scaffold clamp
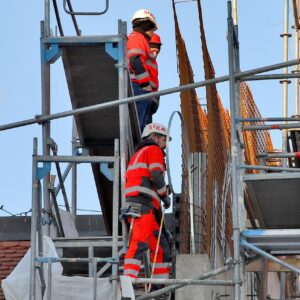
x=239, y=282
x=37, y=117
x=113, y=277
x=48, y=219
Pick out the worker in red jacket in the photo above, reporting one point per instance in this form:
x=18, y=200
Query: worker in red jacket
x=145, y=189
x=155, y=45
x=142, y=62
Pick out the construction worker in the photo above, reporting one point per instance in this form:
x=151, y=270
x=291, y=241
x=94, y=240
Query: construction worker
x=142, y=63
x=155, y=44
x=145, y=189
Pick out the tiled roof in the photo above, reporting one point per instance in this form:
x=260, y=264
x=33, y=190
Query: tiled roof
x=11, y=253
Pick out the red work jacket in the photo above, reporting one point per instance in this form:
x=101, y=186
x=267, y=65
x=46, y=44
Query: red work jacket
x=141, y=61
x=145, y=174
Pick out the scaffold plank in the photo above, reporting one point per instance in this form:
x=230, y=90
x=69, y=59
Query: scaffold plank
x=92, y=78
x=276, y=199
x=276, y=241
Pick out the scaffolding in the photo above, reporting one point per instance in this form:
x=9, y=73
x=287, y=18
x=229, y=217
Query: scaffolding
x=96, y=73
x=270, y=210
x=276, y=238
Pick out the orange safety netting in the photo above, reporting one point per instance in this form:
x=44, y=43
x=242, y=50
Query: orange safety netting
x=196, y=127
x=210, y=132
x=256, y=142
x=218, y=145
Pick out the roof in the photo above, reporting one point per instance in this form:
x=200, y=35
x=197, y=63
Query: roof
x=18, y=228
x=15, y=238
x=10, y=254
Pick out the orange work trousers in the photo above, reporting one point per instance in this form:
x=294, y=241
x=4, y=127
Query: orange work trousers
x=144, y=236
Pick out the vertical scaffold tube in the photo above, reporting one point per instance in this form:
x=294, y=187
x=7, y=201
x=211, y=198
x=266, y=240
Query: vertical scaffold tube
x=45, y=85
x=234, y=158
x=33, y=222
x=116, y=186
x=122, y=117
x=239, y=143
x=47, y=18
x=285, y=83
x=74, y=173
x=235, y=15
x=296, y=68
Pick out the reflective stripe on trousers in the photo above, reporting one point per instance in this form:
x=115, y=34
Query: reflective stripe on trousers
x=144, y=236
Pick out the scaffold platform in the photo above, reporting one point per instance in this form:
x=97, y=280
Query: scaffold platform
x=276, y=199
x=91, y=69
x=94, y=69
x=275, y=241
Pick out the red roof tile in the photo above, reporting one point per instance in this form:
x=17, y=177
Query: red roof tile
x=11, y=253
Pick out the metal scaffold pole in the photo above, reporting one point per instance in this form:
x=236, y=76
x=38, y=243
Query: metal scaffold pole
x=238, y=113
x=296, y=68
x=45, y=83
x=123, y=109
x=285, y=82
x=34, y=205
x=116, y=185
x=108, y=103
x=74, y=173
x=234, y=105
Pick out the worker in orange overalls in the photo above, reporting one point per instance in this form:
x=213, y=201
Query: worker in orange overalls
x=145, y=189
x=142, y=63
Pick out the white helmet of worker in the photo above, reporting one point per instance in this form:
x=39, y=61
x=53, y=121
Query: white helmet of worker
x=144, y=15
x=155, y=128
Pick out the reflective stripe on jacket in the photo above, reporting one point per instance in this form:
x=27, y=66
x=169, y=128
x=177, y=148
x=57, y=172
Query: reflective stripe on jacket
x=145, y=175
x=141, y=61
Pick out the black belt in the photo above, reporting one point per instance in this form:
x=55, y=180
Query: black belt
x=140, y=200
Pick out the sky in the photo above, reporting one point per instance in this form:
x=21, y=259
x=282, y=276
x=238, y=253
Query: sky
x=260, y=26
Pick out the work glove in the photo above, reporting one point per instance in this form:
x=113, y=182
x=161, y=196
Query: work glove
x=167, y=202
x=147, y=88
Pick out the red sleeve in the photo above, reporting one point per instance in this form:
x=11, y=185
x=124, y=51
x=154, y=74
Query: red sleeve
x=137, y=54
x=156, y=165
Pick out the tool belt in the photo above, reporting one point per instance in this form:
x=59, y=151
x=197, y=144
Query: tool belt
x=131, y=210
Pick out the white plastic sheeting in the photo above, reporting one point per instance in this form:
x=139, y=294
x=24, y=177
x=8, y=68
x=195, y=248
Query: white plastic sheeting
x=68, y=222
x=78, y=288
x=16, y=285
x=127, y=288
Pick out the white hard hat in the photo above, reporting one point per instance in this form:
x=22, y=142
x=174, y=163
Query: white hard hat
x=155, y=128
x=144, y=14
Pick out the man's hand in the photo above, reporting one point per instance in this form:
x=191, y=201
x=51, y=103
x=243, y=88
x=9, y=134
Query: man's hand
x=167, y=202
x=147, y=88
